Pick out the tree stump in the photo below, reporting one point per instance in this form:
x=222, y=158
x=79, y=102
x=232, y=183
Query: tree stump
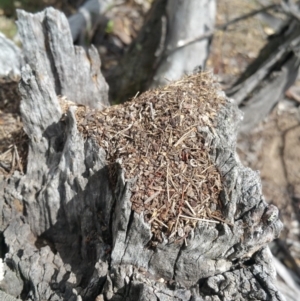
x=88, y=219
x=269, y=76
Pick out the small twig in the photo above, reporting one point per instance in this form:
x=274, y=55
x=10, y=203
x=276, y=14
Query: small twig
x=200, y=211
x=170, y=138
x=203, y=171
x=154, y=214
x=176, y=224
x=184, y=136
x=160, y=189
x=291, y=9
x=136, y=95
x=153, y=196
x=173, y=203
x=222, y=220
x=163, y=37
x=120, y=132
x=172, y=234
x=198, y=219
x=6, y=152
x=168, y=191
x=190, y=207
x=193, y=163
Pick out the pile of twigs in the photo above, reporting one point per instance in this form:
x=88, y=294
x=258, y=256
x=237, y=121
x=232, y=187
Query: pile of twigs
x=158, y=138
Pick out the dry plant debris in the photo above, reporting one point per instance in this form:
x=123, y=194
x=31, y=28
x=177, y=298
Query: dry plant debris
x=13, y=150
x=13, y=140
x=157, y=137
x=13, y=144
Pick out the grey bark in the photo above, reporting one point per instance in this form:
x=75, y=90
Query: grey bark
x=70, y=237
x=6, y=297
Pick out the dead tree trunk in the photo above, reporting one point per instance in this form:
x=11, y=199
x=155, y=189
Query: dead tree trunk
x=71, y=225
x=185, y=21
x=269, y=76
x=153, y=58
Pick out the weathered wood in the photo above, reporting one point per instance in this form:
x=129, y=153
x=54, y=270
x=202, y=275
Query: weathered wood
x=76, y=74
x=10, y=59
x=185, y=21
x=70, y=237
x=271, y=74
x=137, y=67
x=87, y=18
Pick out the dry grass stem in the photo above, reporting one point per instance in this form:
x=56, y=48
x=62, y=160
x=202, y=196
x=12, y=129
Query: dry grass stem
x=221, y=220
x=198, y=219
x=184, y=136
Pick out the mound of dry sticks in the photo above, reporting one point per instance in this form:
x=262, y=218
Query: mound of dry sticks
x=157, y=137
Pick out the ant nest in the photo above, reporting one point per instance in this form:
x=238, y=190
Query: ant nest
x=158, y=138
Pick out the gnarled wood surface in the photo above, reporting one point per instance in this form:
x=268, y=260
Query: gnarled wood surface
x=68, y=236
